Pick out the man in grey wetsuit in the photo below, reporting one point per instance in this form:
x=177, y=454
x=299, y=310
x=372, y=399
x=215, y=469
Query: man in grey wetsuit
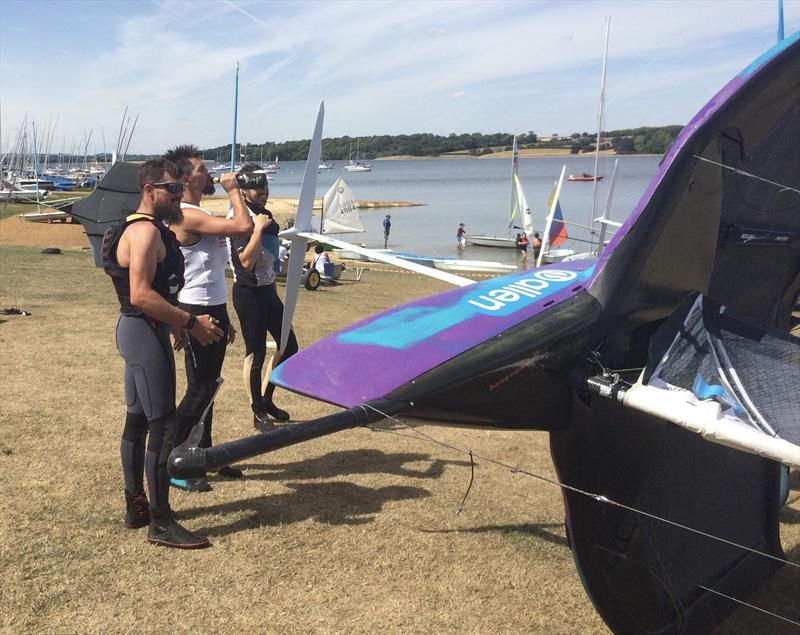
x=145, y=263
x=205, y=254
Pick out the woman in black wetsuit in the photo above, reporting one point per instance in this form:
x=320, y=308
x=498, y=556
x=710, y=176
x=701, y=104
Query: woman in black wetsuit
x=255, y=298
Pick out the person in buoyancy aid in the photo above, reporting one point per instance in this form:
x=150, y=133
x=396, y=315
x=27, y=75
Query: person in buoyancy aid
x=145, y=263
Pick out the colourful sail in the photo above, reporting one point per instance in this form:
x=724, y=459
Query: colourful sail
x=556, y=230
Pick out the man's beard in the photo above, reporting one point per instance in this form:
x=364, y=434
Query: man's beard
x=169, y=214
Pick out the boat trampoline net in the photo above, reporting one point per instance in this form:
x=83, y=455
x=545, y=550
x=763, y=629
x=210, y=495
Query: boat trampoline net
x=751, y=370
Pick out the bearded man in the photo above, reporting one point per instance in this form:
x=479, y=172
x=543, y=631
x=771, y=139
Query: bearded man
x=145, y=263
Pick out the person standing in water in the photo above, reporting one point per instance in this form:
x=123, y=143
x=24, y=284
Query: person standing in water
x=461, y=235
x=387, y=227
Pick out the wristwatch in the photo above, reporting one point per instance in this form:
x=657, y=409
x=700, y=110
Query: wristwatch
x=190, y=323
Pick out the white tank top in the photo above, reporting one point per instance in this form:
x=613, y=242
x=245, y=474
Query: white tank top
x=204, y=269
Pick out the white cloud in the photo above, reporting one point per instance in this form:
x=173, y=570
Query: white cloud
x=388, y=67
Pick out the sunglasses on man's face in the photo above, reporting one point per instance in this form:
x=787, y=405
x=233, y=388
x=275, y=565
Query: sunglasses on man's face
x=172, y=188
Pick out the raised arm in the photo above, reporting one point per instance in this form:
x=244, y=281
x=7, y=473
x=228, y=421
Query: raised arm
x=252, y=249
x=240, y=224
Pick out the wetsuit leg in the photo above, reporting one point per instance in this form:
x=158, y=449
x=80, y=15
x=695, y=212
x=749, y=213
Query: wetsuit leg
x=203, y=368
x=274, y=313
x=253, y=320
x=132, y=451
x=150, y=391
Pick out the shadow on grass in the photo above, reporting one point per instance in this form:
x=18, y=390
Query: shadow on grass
x=328, y=503
x=349, y=463
x=534, y=530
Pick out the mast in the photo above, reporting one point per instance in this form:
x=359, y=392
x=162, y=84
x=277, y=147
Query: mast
x=235, y=113
x=600, y=117
x=604, y=218
x=35, y=162
x=514, y=202
x=780, y=20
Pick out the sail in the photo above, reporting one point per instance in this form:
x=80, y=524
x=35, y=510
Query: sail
x=522, y=205
x=340, y=210
x=556, y=230
x=515, y=208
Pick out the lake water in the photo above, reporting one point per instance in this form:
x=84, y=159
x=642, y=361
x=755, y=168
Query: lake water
x=475, y=192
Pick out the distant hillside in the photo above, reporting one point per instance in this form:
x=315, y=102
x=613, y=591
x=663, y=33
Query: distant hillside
x=630, y=141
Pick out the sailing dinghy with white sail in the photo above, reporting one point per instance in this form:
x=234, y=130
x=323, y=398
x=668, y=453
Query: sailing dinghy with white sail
x=518, y=210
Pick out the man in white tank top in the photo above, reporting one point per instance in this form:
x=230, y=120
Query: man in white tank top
x=203, y=242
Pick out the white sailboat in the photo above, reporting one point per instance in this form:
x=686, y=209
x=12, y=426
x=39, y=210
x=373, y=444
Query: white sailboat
x=519, y=209
x=358, y=165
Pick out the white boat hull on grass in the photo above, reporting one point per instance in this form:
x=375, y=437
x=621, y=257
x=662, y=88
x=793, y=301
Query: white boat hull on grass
x=459, y=265
x=472, y=266
x=351, y=255
x=492, y=241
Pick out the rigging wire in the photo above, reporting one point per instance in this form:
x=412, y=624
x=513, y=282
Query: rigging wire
x=752, y=606
x=784, y=188
x=597, y=497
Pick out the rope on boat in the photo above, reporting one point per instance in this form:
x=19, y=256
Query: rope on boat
x=783, y=187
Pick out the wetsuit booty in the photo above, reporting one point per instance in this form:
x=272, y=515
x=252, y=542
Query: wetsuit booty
x=262, y=423
x=191, y=484
x=137, y=510
x=273, y=410
x=230, y=472
x=164, y=530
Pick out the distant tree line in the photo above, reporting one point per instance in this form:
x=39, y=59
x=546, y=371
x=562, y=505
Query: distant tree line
x=629, y=141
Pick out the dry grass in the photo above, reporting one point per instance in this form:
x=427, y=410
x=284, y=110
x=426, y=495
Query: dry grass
x=355, y=532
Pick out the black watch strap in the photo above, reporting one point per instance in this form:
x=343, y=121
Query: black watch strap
x=190, y=323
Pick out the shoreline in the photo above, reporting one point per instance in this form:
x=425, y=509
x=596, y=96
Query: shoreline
x=535, y=153
x=288, y=205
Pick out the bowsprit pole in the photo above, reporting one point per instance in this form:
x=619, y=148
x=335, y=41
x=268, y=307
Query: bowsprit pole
x=305, y=207
x=190, y=461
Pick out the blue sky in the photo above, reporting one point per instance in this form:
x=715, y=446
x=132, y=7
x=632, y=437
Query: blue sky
x=381, y=67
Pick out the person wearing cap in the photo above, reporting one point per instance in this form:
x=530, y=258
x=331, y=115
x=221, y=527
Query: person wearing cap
x=254, y=260
x=387, y=227
x=205, y=252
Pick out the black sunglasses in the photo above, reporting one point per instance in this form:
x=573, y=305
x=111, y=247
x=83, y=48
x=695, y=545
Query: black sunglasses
x=172, y=188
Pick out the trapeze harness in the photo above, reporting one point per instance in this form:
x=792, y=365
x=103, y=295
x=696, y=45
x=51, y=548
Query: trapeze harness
x=143, y=343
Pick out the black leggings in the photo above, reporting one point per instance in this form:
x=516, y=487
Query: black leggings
x=203, y=368
x=260, y=310
x=150, y=397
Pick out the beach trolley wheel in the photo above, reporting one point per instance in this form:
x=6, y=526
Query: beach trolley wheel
x=311, y=279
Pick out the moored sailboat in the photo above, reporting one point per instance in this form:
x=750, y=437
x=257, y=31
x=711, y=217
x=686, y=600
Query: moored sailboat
x=519, y=209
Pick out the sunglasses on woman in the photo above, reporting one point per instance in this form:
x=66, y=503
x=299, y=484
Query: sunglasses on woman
x=172, y=188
